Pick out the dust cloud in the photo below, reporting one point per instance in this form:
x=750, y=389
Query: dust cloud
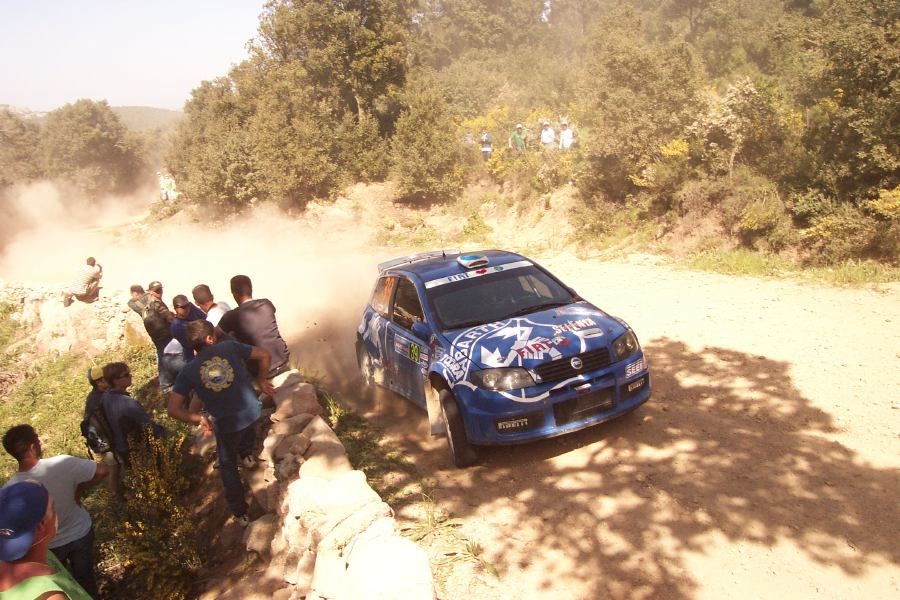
x=318, y=268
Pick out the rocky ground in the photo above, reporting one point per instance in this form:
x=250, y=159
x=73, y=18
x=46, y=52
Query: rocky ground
x=765, y=465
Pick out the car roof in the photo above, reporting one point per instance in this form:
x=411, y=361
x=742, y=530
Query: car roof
x=434, y=265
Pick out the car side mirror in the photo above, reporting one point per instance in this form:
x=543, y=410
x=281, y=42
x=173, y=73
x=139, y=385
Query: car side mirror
x=421, y=330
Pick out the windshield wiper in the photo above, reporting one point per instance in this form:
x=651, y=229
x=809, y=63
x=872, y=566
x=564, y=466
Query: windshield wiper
x=535, y=307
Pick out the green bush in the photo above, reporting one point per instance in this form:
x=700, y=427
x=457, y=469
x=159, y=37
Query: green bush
x=755, y=213
x=157, y=539
x=845, y=233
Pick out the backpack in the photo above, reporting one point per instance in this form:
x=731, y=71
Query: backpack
x=96, y=431
x=156, y=324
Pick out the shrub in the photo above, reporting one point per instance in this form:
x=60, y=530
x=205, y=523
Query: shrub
x=157, y=538
x=843, y=234
x=809, y=205
x=755, y=213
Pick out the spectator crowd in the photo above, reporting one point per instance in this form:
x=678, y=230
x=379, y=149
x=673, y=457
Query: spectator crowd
x=216, y=365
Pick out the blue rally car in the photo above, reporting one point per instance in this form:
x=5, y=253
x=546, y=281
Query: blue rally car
x=496, y=349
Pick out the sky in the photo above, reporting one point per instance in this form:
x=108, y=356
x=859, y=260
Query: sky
x=126, y=52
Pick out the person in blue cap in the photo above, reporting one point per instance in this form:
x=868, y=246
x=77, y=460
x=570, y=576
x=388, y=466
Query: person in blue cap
x=67, y=478
x=28, y=570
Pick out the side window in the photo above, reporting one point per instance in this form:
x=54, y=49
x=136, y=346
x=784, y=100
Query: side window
x=381, y=297
x=407, y=308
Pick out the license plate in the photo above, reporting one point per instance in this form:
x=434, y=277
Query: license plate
x=635, y=385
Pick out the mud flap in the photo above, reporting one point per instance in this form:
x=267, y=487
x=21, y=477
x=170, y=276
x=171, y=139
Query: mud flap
x=435, y=415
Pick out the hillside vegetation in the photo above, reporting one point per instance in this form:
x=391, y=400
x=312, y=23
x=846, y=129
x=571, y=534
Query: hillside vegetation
x=770, y=127
x=139, y=118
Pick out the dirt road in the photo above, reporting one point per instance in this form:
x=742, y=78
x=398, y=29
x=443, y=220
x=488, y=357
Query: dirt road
x=765, y=465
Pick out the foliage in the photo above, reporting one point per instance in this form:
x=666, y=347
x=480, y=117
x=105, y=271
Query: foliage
x=157, y=540
x=637, y=95
x=846, y=233
x=18, y=149
x=426, y=160
x=85, y=144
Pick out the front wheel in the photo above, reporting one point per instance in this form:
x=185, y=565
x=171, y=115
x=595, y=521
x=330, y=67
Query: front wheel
x=462, y=453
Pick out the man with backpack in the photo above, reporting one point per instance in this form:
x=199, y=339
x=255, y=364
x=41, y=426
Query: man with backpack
x=67, y=478
x=95, y=428
x=157, y=320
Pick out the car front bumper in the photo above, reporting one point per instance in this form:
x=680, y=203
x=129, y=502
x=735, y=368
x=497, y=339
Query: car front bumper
x=569, y=409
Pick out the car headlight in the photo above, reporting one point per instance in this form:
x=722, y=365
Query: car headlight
x=625, y=345
x=502, y=379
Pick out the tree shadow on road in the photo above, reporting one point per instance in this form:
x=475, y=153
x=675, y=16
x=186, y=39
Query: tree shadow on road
x=727, y=444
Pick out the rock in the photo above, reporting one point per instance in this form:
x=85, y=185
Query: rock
x=301, y=400
x=304, y=571
x=356, y=523
x=259, y=534
x=285, y=593
x=291, y=425
x=328, y=577
x=325, y=461
x=390, y=568
x=295, y=444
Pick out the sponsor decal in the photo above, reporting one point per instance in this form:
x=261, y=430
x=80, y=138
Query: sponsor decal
x=634, y=368
x=414, y=352
x=517, y=423
x=581, y=324
x=477, y=273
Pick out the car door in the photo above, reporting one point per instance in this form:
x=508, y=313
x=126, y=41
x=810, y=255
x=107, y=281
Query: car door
x=375, y=326
x=405, y=352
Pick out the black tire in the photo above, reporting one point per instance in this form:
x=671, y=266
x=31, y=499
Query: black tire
x=366, y=368
x=462, y=453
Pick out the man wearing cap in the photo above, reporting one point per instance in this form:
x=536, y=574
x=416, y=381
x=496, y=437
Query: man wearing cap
x=66, y=478
x=548, y=136
x=219, y=377
x=517, y=139
x=566, y=136
x=203, y=298
x=27, y=524
x=157, y=321
x=185, y=312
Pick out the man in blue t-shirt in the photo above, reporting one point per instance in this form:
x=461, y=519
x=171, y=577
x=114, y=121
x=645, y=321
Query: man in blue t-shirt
x=219, y=377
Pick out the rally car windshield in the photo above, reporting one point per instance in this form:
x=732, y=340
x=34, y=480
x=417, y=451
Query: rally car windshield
x=496, y=297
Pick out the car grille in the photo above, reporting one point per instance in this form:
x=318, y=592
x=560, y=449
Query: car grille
x=560, y=369
x=583, y=407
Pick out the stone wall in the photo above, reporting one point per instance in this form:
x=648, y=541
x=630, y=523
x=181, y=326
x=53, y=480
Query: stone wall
x=326, y=534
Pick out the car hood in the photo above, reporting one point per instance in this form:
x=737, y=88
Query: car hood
x=536, y=338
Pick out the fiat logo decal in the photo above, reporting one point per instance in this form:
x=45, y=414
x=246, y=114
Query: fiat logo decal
x=576, y=363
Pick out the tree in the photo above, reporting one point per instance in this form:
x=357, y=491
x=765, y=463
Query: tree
x=85, y=144
x=18, y=149
x=636, y=95
x=352, y=50
x=425, y=152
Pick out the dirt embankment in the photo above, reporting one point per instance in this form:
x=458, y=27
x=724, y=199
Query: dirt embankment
x=765, y=465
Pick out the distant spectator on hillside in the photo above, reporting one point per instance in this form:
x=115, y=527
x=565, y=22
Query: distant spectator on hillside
x=548, y=136
x=67, y=478
x=214, y=310
x=28, y=570
x=566, y=136
x=253, y=322
x=86, y=284
x=517, y=139
x=486, y=141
